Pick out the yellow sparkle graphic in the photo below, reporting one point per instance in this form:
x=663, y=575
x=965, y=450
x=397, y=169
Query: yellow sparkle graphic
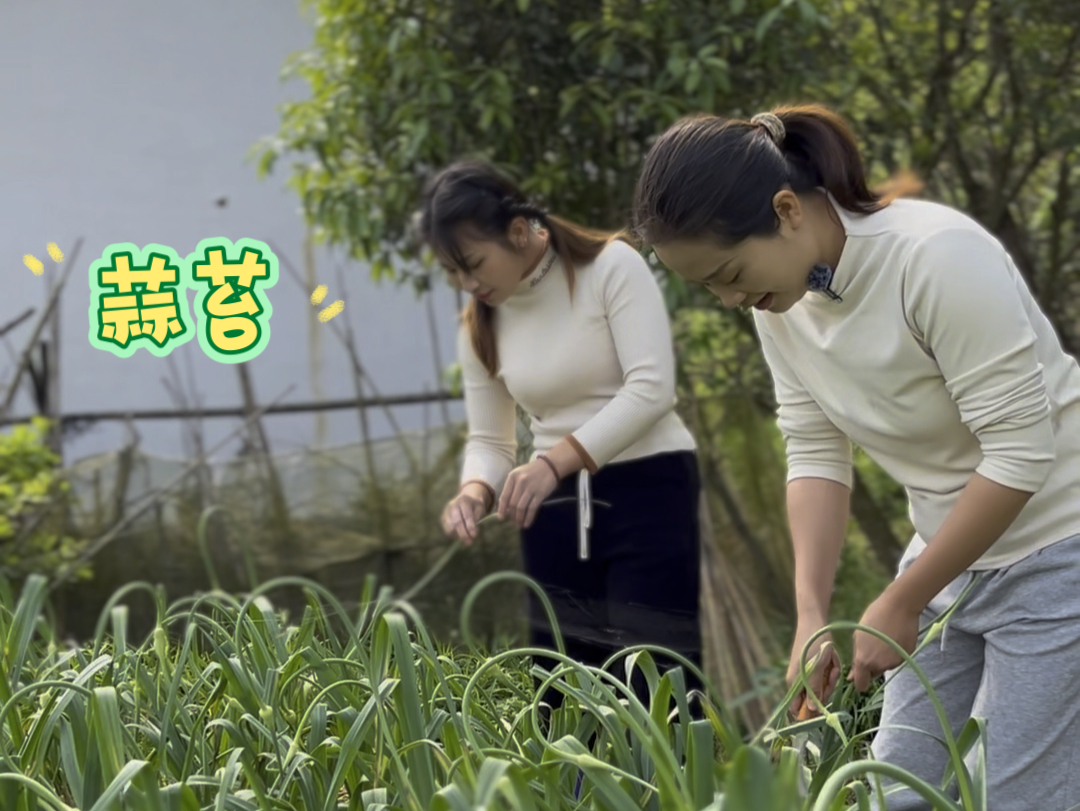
x=34, y=263
x=331, y=311
x=317, y=298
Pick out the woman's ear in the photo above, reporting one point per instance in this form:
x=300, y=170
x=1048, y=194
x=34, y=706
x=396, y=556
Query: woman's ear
x=788, y=209
x=518, y=233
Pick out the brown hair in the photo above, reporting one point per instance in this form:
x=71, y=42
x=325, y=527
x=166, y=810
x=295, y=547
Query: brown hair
x=473, y=194
x=708, y=175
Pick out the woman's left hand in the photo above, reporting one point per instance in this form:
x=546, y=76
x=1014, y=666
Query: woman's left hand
x=872, y=657
x=526, y=487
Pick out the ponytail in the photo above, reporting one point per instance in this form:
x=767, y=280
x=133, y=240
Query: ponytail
x=821, y=150
x=575, y=244
x=712, y=176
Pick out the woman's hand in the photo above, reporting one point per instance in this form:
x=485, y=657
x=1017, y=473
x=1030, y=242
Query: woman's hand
x=895, y=618
x=826, y=672
x=464, y=511
x=526, y=487
x=980, y=516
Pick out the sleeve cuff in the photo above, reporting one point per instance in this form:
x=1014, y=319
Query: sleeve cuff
x=1018, y=456
x=485, y=485
x=842, y=474
x=1028, y=478
x=586, y=459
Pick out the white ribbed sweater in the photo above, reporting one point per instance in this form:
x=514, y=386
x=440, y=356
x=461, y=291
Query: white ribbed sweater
x=939, y=364
x=598, y=368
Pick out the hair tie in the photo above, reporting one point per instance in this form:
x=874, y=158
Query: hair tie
x=524, y=208
x=772, y=125
x=550, y=464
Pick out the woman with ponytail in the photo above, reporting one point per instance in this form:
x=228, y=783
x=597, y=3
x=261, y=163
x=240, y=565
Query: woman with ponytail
x=570, y=323
x=905, y=327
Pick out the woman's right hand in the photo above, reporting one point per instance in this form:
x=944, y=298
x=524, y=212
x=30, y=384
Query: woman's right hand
x=825, y=675
x=463, y=512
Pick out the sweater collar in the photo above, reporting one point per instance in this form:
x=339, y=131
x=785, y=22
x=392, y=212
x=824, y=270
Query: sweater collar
x=542, y=270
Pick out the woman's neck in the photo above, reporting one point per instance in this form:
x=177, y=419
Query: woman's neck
x=828, y=225
x=538, y=244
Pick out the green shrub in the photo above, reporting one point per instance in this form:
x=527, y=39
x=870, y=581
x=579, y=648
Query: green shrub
x=34, y=501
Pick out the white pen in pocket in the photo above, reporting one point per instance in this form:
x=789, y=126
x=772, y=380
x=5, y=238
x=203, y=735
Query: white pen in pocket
x=584, y=492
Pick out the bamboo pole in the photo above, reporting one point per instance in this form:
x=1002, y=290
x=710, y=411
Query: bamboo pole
x=261, y=444
x=354, y=359
x=151, y=500
x=436, y=350
x=51, y=383
x=10, y=325
x=238, y=411
x=192, y=436
x=50, y=305
x=314, y=338
x=382, y=510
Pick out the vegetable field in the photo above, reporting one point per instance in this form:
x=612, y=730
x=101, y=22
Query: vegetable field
x=230, y=706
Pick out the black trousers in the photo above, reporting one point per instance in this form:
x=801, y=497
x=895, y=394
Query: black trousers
x=642, y=581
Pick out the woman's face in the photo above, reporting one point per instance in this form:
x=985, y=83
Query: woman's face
x=761, y=272
x=493, y=269
x=767, y=272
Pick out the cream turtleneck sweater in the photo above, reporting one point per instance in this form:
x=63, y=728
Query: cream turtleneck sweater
x=598, y=369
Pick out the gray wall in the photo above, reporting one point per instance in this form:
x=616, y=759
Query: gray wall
x=124, y=121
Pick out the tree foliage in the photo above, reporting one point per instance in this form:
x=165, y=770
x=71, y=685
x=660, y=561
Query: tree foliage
x=564, y=96
x=33, y=501
x=981, y=99
x=977, y=97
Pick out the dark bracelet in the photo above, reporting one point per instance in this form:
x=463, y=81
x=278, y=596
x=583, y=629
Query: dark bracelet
x=554, y=470
x=488, y=492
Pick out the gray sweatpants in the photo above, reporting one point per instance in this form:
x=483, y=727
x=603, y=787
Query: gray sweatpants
x=1010, y=654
